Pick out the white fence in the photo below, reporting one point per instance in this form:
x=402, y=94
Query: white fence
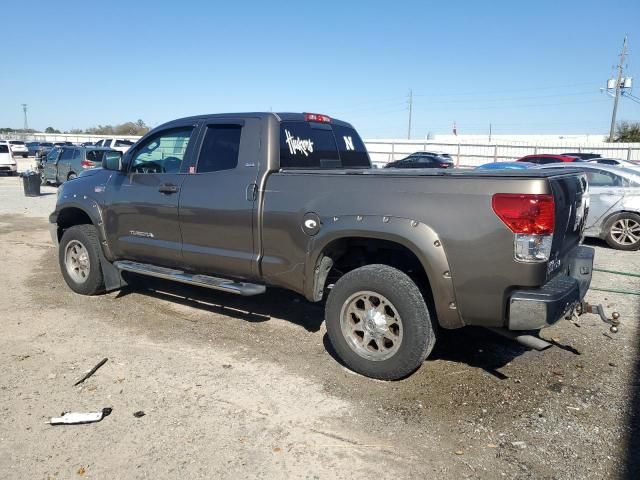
x=387, y=150
x=63, y=137
x=473, y=154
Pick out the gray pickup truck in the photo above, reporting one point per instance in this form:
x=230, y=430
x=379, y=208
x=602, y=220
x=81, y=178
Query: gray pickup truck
x=240, y=202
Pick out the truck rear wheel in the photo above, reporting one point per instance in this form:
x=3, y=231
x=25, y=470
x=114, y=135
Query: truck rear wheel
x=79, y=259
x=378, y=322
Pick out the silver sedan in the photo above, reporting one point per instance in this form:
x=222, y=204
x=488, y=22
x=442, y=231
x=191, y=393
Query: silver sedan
x=614, y=211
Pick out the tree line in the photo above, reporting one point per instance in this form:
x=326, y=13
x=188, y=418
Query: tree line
x=137, y=128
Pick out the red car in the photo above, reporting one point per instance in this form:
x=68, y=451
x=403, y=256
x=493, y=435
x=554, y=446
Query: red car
x=548, y=158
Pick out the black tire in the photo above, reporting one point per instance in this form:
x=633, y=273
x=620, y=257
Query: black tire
x=614, y=237
x=418, y=330
x=87, y=237
x=25, y=155
x=71, y=176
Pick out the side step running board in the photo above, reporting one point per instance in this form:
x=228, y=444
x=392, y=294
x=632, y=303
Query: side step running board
x=231, y=286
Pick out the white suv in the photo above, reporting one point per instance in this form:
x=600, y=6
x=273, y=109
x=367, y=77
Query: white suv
x=7, y=164
x=119, y=144
x=18, y=148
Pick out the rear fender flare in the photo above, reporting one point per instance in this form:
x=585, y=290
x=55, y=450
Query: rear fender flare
x=417, y=237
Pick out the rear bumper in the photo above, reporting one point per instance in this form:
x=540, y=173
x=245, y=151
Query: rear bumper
x=538, y=308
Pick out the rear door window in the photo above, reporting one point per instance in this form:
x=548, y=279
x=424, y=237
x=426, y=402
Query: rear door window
x=320, y=145
x=600, y=178
x=220, y=148
x=67, y=154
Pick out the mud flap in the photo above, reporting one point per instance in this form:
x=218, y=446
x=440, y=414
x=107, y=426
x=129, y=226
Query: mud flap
x=112, y=276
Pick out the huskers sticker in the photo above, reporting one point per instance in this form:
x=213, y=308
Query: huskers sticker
x=298, y=145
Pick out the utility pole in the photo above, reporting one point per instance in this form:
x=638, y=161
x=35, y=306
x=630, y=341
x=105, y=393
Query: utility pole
x=617, y=94
x=26, y=123
x=489, y=133
x=410, y=112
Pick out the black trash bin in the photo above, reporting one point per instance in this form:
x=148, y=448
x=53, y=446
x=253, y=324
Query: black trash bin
x=31, y=183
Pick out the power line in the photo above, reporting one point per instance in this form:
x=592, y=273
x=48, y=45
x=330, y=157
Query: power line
x=386, y=108
x=477, y=92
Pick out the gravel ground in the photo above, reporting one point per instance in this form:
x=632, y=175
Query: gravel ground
x=249, y=388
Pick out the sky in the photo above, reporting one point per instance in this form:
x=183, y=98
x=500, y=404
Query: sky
x=523, y=67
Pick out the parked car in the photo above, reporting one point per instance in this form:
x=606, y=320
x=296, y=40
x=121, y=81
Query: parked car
x=547, y=158
x=18, y=148
x=423, y=160
x=44, y=149
x=507, y=166
x=51, y=157
x=616, y=162
x=119, y=144
x=582, y=156
x=239, y=202
x=66, y=163
x=8, y=165
x=614, y=213
x=33, y=148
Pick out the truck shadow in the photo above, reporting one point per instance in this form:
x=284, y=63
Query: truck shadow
x=275, y=303
x=472, y=346
x=631, y=468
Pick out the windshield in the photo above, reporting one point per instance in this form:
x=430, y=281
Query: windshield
x=53, y=154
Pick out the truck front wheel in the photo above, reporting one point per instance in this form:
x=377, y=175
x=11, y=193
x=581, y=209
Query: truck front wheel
x=378, y=322
x=79, y=259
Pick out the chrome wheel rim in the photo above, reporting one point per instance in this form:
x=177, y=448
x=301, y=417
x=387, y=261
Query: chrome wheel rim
x=76, y=261
x=371, y=325
x=625, y=231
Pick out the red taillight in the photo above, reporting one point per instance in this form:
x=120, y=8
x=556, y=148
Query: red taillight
x=317, y=117
x=523, y=213
x=87, y=164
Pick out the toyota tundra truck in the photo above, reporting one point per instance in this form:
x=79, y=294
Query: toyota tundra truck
x=242, y=202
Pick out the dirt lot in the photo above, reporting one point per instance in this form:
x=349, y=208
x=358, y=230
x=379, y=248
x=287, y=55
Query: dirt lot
x=248, y=387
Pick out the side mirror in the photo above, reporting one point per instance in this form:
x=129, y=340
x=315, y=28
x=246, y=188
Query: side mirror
x=112, y=160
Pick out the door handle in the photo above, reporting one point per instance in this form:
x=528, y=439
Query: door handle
x=168, y=188
x=252, y=192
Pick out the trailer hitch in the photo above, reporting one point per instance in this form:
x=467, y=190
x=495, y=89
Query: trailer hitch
x=585, y=307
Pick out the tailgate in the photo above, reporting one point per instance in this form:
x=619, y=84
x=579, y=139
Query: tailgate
x=571, y=209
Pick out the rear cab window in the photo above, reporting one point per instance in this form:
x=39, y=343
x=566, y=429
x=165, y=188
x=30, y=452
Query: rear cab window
x=321, y=145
